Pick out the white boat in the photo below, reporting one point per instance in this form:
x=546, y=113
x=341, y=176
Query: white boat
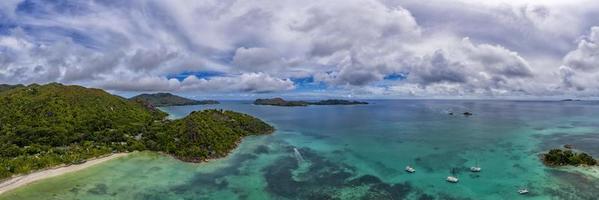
x=410, y=169
x=452, y=179
x=523, y=191
x=475, y=169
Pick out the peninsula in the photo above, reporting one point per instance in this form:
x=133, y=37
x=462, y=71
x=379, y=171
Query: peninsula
x=168, y=99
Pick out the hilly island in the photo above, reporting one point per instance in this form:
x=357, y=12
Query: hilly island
x=43, y=126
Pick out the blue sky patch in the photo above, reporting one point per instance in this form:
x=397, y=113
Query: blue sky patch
x=307, y=84
x=199, y=74
x=396, y=76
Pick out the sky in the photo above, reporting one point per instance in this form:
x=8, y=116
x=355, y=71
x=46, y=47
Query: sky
x=311, y=49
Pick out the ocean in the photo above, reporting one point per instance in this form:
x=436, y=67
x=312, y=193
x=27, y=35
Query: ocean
x=360, y=152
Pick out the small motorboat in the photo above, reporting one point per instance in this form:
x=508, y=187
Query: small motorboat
x=410, y=169
x=523, y=191
x=452, y=179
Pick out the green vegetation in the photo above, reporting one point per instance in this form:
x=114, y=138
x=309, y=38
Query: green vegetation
x=558, y=157
x=205, y=134
x=282, y=102
x=47, y=125
x=167, y=99
x=5, y=87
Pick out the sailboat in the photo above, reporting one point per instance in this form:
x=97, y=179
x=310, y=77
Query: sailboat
x=452, y=178
x=410, y=169
x=475, y=168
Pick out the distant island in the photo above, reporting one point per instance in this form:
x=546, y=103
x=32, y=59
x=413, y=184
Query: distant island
x=559, y=157
x=43, y=126
x=282, y=102
x=571, y=100
x=168, y=99
x=465, y=113
x=337, y=102
x=279, y=102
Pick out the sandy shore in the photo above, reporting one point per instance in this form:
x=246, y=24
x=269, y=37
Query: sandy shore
x=23, y=180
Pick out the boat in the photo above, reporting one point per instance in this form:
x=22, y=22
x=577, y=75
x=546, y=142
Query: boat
x=452, y=179
x=410, y=169
x=475, y=168
x=523, y=191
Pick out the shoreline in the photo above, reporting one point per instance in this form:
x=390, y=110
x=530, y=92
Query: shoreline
x=23, y=180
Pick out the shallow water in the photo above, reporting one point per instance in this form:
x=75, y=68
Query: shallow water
x=360, y=152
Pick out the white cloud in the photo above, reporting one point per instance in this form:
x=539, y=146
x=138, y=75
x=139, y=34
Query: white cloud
x=586, y=56
x=473, y=68
x=581, y=66
x=248, y=82
x=352, y=45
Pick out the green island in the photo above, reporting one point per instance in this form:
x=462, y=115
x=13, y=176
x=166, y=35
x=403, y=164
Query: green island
x=282, y=102
x=43, y=126
x=168, y=99
x=559, y=157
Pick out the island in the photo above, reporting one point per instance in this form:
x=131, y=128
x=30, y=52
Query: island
x=571, y=100
x=168, y=99
x=559, y=157
x=43, y=126
x=337, y=102
x=281, y=102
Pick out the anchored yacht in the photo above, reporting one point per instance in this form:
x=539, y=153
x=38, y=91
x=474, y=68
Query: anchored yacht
x=475, y=169
x=452, y=179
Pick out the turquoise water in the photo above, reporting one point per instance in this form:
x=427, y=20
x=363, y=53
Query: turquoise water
x=360, y=152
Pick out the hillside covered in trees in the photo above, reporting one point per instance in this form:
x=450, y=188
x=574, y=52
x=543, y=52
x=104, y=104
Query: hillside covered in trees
x=47, y=125
x=168, y=99
x=205, y=134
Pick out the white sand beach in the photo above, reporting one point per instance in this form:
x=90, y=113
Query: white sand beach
x=23, y=180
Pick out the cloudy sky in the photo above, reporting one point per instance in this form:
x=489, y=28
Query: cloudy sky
x=308, y=48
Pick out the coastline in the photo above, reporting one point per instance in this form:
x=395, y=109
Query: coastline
x=23, y=180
